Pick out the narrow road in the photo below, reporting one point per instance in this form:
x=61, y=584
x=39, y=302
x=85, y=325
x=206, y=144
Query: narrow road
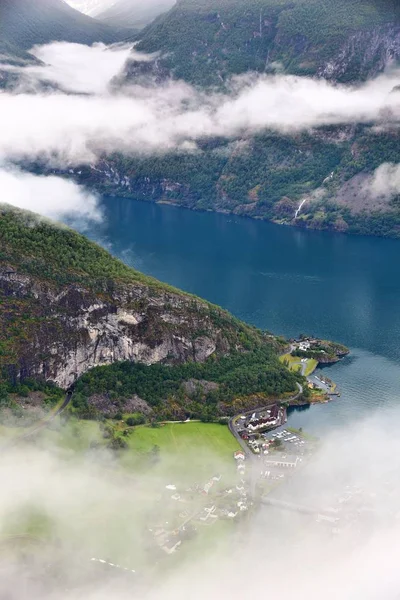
x=248, y=453
x=233, y=430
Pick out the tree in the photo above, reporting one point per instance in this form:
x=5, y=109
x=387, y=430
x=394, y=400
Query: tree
x=4, y=399
x=155, y=450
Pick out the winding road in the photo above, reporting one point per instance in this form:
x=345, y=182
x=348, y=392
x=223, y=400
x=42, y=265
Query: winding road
x=248, y=453
x=232, y=429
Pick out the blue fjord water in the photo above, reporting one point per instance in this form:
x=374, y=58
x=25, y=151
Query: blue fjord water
x=286, y=280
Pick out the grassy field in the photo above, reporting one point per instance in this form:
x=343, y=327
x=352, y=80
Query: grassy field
x=312, y=364
x=181, y=437
x=185, y=451
x=127, y=489
x=294, y=363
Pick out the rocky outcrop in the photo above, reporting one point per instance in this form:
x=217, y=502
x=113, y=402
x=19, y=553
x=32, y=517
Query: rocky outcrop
x=71, y=329
x=364, y=54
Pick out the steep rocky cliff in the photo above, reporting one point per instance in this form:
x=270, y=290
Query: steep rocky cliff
x=66, y=306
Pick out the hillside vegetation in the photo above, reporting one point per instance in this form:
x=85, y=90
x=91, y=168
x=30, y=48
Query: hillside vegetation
x=206, y=42
x=216, y=388
x=25, y=23
x=67, y=305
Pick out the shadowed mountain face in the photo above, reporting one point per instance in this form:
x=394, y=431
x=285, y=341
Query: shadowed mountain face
x=134, y=13
x=24, y=23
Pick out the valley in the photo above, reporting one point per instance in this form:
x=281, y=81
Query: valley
x=199, y=402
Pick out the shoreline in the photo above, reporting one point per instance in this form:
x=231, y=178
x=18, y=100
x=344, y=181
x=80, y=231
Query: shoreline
x=293, y=224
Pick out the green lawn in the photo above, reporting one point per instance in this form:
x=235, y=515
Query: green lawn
x=312, y=364
x=125, y=493
x=187, y=451
x=183, y=437
x=294, y=364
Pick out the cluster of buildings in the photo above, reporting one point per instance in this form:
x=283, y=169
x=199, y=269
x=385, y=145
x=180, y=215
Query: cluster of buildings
x=200, y=505
x=248, y=427
x=271, y=418
x=167, y=541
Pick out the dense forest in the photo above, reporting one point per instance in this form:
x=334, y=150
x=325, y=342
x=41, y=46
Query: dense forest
x=207, y=41
x=58, y=254
x=239, y=379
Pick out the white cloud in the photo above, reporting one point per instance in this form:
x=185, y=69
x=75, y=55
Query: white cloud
x=73, y=129
x=79, y=68
x=91, y=507
x=385, y=180
x=51, y=196
x=75, y=67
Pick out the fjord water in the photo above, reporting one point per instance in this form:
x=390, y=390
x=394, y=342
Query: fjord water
x=286, y=280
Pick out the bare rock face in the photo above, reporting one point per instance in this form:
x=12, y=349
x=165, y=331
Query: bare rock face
x=72, y=329
x=364, y=54
x=108, y=406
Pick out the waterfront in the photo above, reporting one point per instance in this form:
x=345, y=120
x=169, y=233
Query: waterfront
x=286, y=280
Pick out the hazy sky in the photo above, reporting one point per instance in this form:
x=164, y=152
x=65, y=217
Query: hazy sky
x=91, y=7
x=95, y=7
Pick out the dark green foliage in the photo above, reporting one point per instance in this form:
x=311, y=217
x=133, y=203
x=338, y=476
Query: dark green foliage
x=238, y=375
x=59, y=254
x=136, y=419
x=117, y=443
x=206, y=41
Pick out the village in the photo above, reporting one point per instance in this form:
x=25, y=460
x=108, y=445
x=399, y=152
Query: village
x=270, y=454
x=201, y=505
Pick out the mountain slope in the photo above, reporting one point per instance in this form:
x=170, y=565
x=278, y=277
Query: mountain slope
x=134, y=13
x=206, y=42
x=91, y=7
x=66, y=305
x=24, y=23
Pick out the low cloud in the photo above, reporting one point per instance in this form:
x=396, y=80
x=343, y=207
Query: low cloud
x=91, y=7
x=87, y=118
x=75, y=67
x=84, y=505
x=67, y=129
x=51, y=196
x=385, y=180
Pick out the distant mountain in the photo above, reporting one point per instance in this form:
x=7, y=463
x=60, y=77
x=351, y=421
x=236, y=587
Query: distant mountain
x=206, y=42
x=134, y=13
x=91, y=7
x=24, y=23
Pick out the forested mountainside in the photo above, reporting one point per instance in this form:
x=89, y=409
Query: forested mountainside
x=66, y=306
x=128, y=13
x=24, y=23
x=206, y=42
